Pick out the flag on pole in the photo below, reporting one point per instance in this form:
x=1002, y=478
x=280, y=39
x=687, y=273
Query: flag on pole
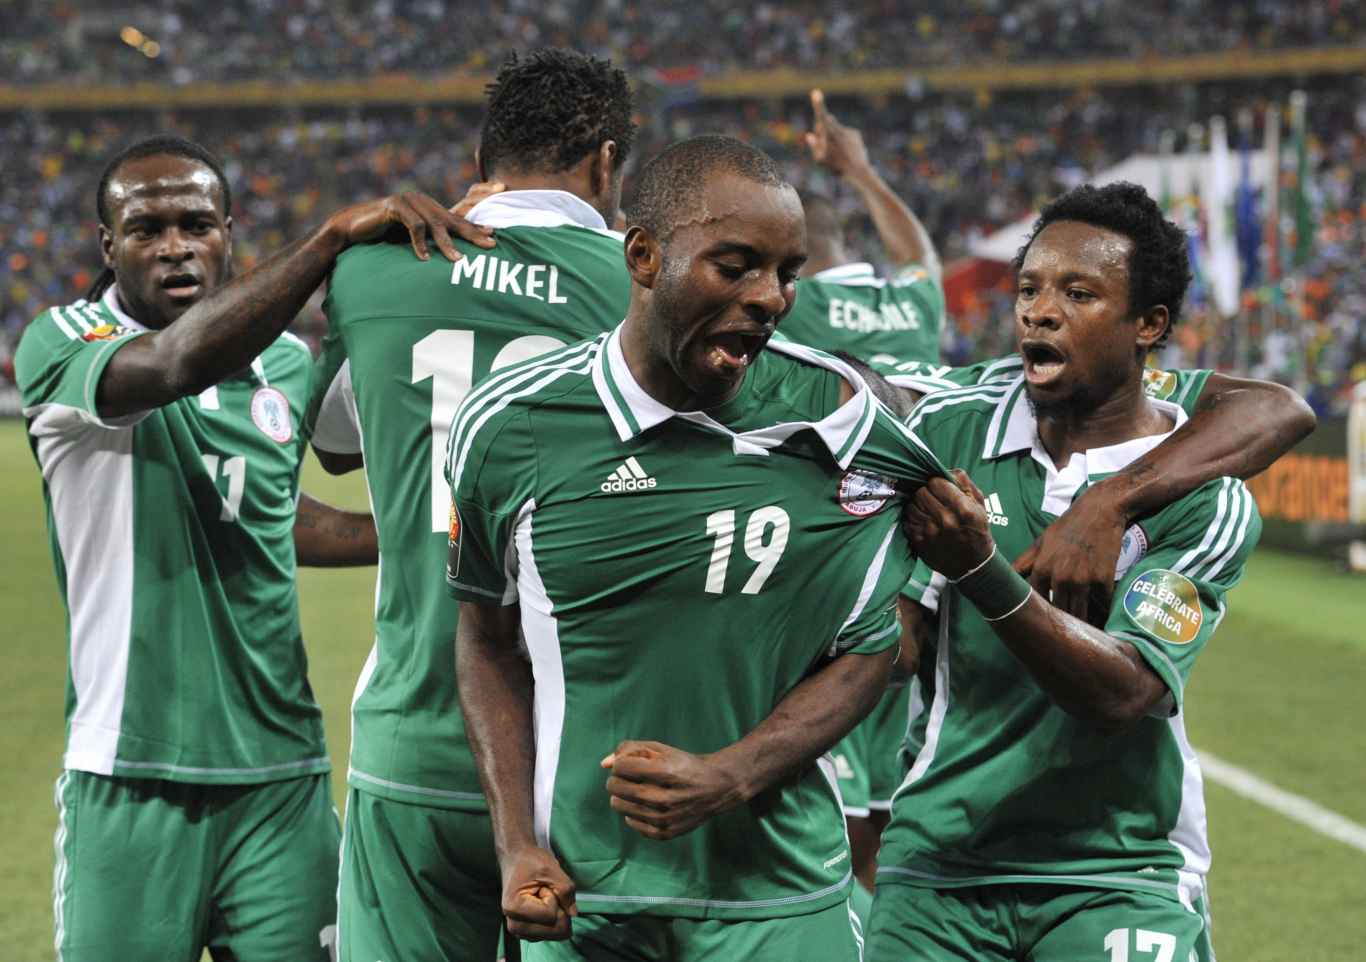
x=1247, y=223
x=1304, y=215
x=1222, y=264
x=1273, y=194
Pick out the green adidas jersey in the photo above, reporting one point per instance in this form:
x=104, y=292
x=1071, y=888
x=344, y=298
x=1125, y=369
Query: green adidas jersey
x=850, y=308
x=1006, y=786
x=407, y=339
x=675, y=582
x=172, y=533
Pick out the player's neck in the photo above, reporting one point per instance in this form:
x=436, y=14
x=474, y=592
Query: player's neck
x=571, y=181
x=655, y=375
x=1082, y=424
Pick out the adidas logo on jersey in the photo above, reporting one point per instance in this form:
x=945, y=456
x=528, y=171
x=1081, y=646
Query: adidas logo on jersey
x=630, y=476
x=996, y=514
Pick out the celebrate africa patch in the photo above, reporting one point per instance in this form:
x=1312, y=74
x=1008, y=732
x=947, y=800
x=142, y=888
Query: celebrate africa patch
x=1158, y=384
x=1166, y=605
x=270, y=412
x=105, y=332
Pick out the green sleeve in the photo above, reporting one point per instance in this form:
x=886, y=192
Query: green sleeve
x=1179, y=387
x=1172, y=599
x=488, y=497
x=58, y=370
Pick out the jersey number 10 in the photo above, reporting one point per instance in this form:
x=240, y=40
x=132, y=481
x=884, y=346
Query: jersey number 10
x=447, y=357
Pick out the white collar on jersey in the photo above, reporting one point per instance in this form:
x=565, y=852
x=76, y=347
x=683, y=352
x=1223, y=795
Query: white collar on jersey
x=857, y=274
x=537, y=208
x=1014, y=429
x=112, y=305
x=633, y=411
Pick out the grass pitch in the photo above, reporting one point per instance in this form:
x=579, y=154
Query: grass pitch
x=1278, y=692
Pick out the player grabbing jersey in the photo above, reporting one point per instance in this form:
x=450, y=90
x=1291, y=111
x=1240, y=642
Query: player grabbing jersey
x=651, y=516
x=1057, y=813
x=194, y=808
x=407, y=339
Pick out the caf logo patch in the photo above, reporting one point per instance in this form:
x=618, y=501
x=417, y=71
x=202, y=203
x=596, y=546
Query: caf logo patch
x=1166, y=605
x=862, y=494
x=1158, y=385
x=105, y=332
x=270, y=411
x=1132, y=547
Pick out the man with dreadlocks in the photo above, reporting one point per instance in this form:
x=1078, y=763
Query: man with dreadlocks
x=194, y=805
x=419, y=876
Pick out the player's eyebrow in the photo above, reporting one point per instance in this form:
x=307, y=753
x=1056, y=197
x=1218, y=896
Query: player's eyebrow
x=734, y=247
x=1070, y=277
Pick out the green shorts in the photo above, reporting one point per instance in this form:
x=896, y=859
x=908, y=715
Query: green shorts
x=830, y=935
x=155, y=871
x=417, y=882
x=1035, y=923
x=868, y=759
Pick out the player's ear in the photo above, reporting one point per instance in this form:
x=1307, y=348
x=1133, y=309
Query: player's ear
x=1152, y=324
x=107, y=246
x=227, y=238
x=603, y=168
x=643, y=256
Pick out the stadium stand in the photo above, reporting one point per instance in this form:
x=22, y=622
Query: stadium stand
x=297, y=39
x=968, y=161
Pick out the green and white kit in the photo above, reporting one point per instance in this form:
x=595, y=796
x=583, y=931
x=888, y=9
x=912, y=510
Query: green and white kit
x=605, y=515
x=849, y=308
x=172, y=532
x=977, y=807
x=194, y=755
x=874, y=758
x=406, y=340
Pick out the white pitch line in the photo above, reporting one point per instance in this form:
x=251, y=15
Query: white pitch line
x=1292, y=806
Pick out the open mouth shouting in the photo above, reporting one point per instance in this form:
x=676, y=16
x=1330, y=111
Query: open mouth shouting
x=729, y=352
x=182, y=285
x=1043, y=363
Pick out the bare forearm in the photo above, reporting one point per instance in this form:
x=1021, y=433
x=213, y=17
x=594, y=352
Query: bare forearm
x=809, y=720
x=495, y=685
x=1086, y=672
x=1238, y=430
x=904, y=238
x=221, y=334
x=329, y=537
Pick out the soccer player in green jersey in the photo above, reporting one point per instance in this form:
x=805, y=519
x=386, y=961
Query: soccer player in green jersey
x=407, y=339
x=845, y=305
x=1055, y=810
x=194, y=806
x=692, y=537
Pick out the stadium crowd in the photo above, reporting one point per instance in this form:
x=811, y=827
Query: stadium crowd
x=313, y=39
x=967, y=166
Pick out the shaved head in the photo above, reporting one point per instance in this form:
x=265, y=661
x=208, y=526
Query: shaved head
x=669, y=191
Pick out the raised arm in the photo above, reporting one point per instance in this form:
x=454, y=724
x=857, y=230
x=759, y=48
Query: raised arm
x=222, y=333
x=495, y=685
x=1239, y=428
x=328, y=537
x=842, y=149
x=664, y=792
